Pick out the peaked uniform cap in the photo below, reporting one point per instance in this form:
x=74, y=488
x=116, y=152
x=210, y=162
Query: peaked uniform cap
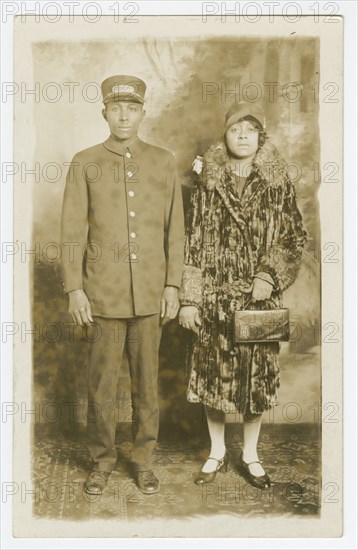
x=123, y=88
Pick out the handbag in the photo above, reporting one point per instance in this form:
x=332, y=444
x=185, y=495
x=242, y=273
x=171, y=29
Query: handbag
x=261, y=325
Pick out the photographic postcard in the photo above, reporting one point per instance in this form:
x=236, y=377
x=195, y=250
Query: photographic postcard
x=288, y=68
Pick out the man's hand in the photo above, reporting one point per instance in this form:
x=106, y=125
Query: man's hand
x=79, y=308
x=169, y=304
x=189, y=318
x=261, y=290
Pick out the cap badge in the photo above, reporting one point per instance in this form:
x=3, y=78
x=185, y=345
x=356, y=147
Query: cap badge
x=123, y=88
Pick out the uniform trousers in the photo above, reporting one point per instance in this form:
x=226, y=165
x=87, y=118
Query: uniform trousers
x=108, y=338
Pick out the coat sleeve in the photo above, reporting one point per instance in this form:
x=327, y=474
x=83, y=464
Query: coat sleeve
x=74, y=226
x=191, y=290
x=174, y=228
x=282, y=259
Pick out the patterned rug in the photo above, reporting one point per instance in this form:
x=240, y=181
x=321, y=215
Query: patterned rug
x=290, y=454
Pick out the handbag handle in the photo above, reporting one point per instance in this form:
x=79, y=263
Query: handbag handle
x=250, y=300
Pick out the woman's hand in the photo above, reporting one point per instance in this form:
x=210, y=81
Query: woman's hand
x=261, y=290
x=189, y=318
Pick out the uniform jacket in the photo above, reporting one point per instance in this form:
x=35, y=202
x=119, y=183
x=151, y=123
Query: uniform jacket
x=229, y=240
x=122, y=229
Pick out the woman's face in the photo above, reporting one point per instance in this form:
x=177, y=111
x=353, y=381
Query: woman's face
x=242, y=139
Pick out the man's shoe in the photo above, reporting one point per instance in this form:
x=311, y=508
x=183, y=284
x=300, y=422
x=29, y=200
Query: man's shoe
x=147, y=482
x=96, y=482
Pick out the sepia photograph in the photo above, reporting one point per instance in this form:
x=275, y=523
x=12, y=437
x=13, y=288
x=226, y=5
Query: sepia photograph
x=178, y=279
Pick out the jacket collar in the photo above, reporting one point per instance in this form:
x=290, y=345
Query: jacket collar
x=135, y=147
x=268, y=165
x=269, y=169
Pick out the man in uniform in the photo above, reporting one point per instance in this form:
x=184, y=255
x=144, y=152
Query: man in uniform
x=122, y=234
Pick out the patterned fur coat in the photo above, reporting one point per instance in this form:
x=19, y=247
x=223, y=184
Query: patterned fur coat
x=229, y=240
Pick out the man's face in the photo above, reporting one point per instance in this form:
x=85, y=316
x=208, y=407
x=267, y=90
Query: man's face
x=242, y=139
x=124, y=118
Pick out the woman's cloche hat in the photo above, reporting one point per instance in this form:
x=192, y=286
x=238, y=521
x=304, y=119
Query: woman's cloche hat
x=247, y=111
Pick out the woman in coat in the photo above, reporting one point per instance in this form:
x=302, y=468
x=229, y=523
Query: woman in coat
x=244, y=243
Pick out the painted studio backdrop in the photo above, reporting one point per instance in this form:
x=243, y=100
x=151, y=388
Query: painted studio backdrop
x=190, y=86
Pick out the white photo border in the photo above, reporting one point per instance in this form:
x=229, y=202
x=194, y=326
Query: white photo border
x=349, y=12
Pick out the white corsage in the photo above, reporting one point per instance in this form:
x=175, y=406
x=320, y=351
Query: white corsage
x=198, y=165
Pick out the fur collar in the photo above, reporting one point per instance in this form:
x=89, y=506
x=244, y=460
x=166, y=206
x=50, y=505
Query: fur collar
x=268, y=165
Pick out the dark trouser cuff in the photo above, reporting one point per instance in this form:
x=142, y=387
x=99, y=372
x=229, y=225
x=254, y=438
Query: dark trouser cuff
x=104, y=467
x=142, y=467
